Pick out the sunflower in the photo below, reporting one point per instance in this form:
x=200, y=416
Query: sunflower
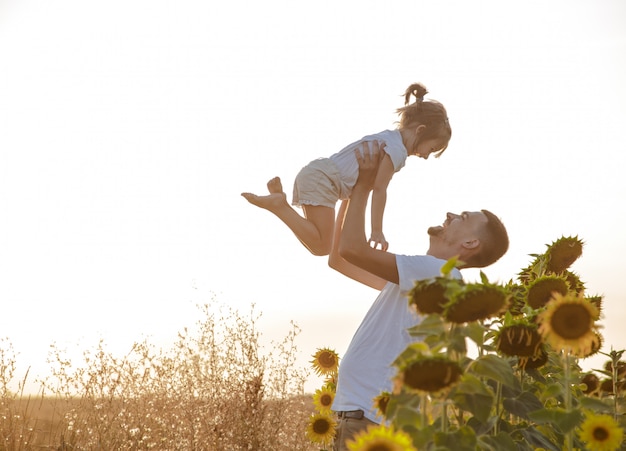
x=574, y=282
x=380, y=403
x=518, y=298
x=520, y=339
x=567, y=324
x=428, y=374
x=323, y=399
x=534, y=362
x=621, y=368
x=562, y=253
x=381, y=438
x=540, y=291
x=597, y=301
x=325, y=362
x=476, y=302
x=331, y=381
x=596, y=345
x=429, y=296
x=592, y=383
x=600, y=433
x=321, y=428
x=534, y=270
x=606, y=386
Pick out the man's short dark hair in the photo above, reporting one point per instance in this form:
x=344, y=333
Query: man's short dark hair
x=494, y=242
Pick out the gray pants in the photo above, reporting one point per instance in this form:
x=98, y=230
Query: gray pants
x=347, y=428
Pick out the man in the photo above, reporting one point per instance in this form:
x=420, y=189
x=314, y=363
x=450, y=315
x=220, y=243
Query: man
x=476, y=238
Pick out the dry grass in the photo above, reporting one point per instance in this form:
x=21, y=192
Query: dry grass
x=214, y=390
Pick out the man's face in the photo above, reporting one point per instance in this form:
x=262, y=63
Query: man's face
x=458, y=228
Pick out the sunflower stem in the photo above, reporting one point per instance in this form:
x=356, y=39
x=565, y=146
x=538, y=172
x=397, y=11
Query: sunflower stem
x=615, y=358
x=569, y=436
x=423, y=412
x=498, y=407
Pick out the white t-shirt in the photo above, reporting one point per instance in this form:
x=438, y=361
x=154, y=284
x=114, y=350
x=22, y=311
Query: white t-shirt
x=348, y=166
x=366, y=368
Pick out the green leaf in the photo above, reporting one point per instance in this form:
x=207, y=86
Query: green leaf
x=456, y=343
x=500, y=442
x=496, y=368
x=564, y=420
x=596, y=404
x=535, y=439
x=552, y=391
x=432, y=324
x=471, y=395
x=522, y=404
x=464, y=439
x=407, y=417
x=422, y=437
x=476, y=332
x=447, y=268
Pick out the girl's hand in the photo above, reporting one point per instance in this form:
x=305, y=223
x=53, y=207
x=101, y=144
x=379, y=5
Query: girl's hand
x=378, y=239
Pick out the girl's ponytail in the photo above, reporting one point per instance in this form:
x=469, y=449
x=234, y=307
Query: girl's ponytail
x=416, y=90
x=430, y=113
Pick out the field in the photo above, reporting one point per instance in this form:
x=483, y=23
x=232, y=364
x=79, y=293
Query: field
x=214, y=390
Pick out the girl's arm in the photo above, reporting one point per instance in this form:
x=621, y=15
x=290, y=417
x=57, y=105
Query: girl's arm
x=338, y=263
x=379, y=200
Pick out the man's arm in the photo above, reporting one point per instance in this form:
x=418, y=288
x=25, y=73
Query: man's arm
x=336, y=262
x=353, y=246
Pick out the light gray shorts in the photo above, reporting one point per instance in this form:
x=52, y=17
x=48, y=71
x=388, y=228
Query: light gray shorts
x=318, y=183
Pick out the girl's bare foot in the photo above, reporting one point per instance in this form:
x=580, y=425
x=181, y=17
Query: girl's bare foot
x=274, y=201
x=275, y=185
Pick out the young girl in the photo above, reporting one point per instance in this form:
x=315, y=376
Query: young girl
x=423, y=130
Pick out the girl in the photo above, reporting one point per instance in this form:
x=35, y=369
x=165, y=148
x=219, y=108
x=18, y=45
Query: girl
x=423, y=130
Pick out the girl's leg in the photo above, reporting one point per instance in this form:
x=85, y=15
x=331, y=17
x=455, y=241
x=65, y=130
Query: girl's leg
x=320, y=240
x=315, y=230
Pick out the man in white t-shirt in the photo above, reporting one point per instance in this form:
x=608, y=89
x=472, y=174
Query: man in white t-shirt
x=476, y=238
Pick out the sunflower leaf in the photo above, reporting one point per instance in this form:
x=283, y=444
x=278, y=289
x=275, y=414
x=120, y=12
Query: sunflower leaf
x=522, y=404
x=596, y=404
x=496, y=368
x=500, y=442
x=476, y=332
x=473, y=396
x=562, y=419
x=460, y=440
x=447, y=268
x=430, y=325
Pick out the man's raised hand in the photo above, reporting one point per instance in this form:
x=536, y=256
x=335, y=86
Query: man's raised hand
x=368, y=161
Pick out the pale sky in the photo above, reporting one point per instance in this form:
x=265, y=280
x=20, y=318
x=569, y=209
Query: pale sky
x=128, y=130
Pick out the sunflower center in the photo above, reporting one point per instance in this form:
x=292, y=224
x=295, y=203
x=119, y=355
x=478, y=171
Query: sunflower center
x=321, y=427
x=379, y=447
x=600, y=434
x=326, y=400
x=327, y=360
x=571, y=321
x=431, y=376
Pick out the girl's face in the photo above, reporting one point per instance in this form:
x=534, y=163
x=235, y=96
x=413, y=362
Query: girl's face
x=423, y=149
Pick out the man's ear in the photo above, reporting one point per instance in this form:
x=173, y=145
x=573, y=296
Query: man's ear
x=420, y=129
x=471, y=244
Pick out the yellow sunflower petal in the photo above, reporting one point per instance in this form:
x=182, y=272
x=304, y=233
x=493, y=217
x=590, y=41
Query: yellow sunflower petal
x=321, y=428
x=601, y=433
x=381, y=438
x=325, y=362
x=323, y=399
x=568, y=324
